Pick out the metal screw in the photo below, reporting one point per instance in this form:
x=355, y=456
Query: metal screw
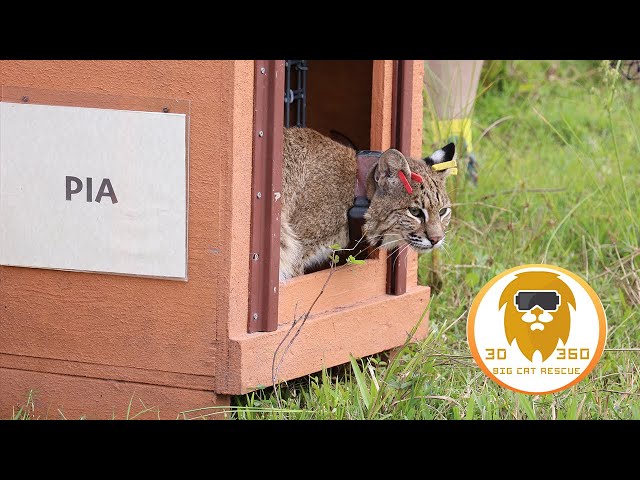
x=255, y=257
x=25, y=99
x=255, y=316
x=165, y=109
x=259, y=194
x=260, y=133
x=263, y=70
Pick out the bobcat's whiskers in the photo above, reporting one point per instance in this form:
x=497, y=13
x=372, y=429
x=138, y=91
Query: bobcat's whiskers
x=384, y=244
x=402, y=249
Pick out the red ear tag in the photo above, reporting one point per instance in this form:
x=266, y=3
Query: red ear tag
x=416, y=178
x=404, y=181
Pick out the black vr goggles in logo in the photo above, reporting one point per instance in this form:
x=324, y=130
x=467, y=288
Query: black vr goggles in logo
x=548, y=300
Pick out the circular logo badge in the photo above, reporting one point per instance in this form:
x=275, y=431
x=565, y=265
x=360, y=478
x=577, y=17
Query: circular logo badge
x=537, y=329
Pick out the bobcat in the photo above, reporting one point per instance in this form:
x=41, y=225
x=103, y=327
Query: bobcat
x=318, y=190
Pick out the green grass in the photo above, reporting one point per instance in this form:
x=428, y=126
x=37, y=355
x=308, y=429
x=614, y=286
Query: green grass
x=559, y=182
x=25, y=411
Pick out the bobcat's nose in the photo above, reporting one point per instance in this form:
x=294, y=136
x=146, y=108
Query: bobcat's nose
x=435, y=238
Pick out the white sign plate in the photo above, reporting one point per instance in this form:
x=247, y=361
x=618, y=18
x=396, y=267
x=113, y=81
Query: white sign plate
x=93, y=189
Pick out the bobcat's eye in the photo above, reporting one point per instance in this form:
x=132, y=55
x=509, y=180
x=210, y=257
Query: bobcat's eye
x=443, y=211
x=415, y=211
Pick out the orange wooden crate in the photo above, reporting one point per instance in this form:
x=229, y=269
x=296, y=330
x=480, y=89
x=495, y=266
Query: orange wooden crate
x=88, y=343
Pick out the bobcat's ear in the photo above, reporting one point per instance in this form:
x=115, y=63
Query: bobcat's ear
x=385, y=173
x=445, y=154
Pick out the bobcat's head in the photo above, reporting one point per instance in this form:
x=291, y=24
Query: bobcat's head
x=396, y=217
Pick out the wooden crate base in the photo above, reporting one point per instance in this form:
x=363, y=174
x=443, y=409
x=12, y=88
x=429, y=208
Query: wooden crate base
x=327, y=339
x=70, y=397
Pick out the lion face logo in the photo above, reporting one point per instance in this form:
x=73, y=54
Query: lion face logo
x=537, y=312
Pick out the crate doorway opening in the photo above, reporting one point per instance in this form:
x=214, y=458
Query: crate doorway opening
x=332, y=97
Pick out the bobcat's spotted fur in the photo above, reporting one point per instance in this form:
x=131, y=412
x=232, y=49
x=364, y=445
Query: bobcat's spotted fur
x=318, y=190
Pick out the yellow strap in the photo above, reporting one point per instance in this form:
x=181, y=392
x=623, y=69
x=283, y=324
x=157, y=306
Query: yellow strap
x=452, y=164
x=444, y=129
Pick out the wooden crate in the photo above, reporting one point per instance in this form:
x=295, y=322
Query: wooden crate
x=89, y=343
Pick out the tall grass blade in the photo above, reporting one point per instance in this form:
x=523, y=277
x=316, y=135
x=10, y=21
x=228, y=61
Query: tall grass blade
x=362, y=384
